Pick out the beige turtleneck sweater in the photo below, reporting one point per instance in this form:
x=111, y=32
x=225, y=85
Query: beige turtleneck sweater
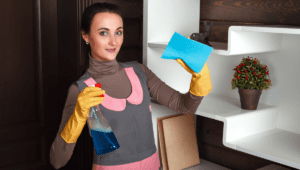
x=114, y=80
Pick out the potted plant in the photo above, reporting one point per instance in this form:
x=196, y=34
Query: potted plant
x=250, y=78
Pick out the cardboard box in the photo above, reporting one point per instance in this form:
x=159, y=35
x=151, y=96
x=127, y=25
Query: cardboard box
x=177, y=142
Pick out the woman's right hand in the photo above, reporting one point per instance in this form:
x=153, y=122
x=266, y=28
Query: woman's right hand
x=87, y=98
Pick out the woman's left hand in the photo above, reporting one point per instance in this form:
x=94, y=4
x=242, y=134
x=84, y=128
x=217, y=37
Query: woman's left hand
x=201, y=83
x=186, y=67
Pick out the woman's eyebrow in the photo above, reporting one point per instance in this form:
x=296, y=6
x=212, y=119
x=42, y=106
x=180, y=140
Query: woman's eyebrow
x=108, y=29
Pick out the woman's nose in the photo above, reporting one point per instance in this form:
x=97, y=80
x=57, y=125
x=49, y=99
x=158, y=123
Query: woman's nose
x=113, y=40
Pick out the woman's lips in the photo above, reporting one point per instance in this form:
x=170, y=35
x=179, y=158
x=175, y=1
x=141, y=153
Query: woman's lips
x=111, y=50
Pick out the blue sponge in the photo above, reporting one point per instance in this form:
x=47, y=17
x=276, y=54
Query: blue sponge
x=191, y=52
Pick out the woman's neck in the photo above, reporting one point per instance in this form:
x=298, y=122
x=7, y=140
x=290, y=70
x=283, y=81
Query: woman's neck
x=99, y=68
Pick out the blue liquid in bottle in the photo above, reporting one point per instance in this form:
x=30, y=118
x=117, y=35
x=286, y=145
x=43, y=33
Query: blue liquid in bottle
x=103, y=138
x=104, y=142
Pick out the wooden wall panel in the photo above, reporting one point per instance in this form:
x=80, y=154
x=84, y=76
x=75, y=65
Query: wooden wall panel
x=230, y=158
x=219, y=30
x=131, y=32
x=275, y=12
x=21, y=85
x=129, y=54
x=18, y=87
x=130, y=8
x=14, y=150
x=246, y=12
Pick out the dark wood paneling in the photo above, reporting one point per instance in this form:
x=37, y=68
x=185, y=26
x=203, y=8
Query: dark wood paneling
x=48, y=74
x=68, y=44
x=219, y=30
x=17, y=63
x=21, y=91
x=210, y=131
x=131, y=32
x=246, y=13
x=29, y=87
x=28, y=147
x=275, y=12
x=129, y=54
x=230, y=158
x=130, y=8
x=210, y=145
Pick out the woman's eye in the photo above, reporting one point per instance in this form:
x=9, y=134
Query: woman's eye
x=119, y=33
x=103, y=33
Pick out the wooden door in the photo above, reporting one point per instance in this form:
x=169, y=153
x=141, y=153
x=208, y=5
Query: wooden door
x=28, y=97
x=38, y=63
x=32, y=94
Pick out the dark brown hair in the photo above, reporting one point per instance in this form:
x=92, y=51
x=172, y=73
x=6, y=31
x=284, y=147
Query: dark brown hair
x=86, y=22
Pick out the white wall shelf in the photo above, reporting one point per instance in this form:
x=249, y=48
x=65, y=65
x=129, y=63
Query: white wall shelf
x=247, y=40
x=250, y=131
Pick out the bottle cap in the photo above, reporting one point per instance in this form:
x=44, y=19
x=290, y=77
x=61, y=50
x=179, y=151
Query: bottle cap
x=98, y=85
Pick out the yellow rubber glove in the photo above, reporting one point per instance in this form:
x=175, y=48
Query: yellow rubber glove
x=87, y=98
x=201, y=83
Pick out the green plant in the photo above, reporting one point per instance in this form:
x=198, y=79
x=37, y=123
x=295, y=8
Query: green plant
x=251, y=74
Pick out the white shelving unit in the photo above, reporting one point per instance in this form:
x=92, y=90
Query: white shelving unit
x=263, y=132
x=247, y=40
x=253, y=132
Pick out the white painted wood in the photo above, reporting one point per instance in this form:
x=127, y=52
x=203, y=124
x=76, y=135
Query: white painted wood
x=252, y=131
x=162, y=20
x=282, y=147
x=167, y=16
x=241, y=41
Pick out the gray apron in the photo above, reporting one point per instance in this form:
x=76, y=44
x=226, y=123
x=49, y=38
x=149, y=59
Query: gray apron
x=131, y=126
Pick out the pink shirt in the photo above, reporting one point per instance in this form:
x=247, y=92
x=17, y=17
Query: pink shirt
x=151, y=163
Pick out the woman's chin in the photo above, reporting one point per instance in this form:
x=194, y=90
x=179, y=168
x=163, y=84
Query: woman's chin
x=107, y=58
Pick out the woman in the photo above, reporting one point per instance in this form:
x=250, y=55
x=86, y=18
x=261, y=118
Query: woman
x=128, y=87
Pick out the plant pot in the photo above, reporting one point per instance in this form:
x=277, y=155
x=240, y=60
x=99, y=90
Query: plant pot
x=249, y=98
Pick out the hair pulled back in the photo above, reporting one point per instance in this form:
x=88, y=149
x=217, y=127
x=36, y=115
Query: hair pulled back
x=86, y=22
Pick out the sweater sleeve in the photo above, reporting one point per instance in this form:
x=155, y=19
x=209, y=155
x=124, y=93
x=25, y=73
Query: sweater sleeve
x=166, y=96
x=60, y=151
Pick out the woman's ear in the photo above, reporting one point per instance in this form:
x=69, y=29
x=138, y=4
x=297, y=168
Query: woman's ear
x=84, y=36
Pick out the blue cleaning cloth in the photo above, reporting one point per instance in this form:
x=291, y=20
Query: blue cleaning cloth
x=192, y=53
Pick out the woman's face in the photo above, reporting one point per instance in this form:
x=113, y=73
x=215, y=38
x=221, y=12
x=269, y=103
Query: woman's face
x=106, y=36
